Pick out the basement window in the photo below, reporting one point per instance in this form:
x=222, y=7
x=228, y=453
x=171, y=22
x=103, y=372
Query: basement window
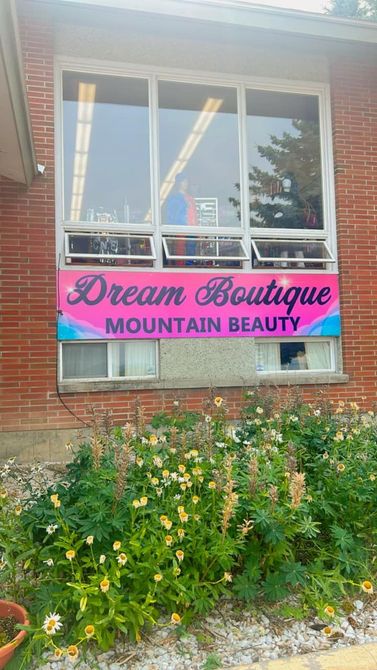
x=99, y=361
x=294, y=355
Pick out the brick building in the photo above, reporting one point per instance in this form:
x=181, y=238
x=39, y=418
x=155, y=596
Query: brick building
x=203, y=203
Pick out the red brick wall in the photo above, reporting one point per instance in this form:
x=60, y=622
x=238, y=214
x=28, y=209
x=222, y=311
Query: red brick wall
x=354, y=112
x=30, y=400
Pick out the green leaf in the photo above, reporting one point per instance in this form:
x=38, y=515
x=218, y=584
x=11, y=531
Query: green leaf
x=275, y=586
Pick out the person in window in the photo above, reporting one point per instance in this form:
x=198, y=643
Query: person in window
x=181, y=211
x=299, y=361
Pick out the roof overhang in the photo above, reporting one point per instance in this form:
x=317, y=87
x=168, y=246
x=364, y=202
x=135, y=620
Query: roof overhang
x=17, y=159
x=244, y=13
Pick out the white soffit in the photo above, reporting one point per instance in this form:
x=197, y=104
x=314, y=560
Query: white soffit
x=246, y=14
x=17, y=160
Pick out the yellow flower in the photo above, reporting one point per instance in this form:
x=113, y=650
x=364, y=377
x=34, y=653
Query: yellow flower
x=325, y=456
x=372, y=477
x=158, y=577
x=54, y=497
x=122, y=559
x=139, y=461
x=218, y=401
x=72, y=652
x=155, y=481
x=3, y=494
x=70, y=554
x=183, y=486
x=165, y=474
x=18, y=510
x=228, y=576
x=163, y=518
x=89, y=540
x=175, y=618
x=136, y=503
x=327, y=630
x=195, y=500
x=176, y=571
x=89, y=630
x=180, y=533
x=143, y=501
x=196, y=471
x=189, y=485
x=168, y=540
x=340, y=467
x=212, y=485
x=329, y=611
x=58, y=653
x=201, y=479
x=194, y=453
x=102, y=558
x=180, y=509
x=339, y=436
x=182, y=468
x=367, y=587
x=187, y=476
x=104, y=585
x=183, y=517
x=117, y=545
x=180, y=555
x=259, y=410
x=153, y=439
x=196, y=517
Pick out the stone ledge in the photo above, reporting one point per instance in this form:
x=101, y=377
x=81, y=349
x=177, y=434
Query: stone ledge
x=269, y=379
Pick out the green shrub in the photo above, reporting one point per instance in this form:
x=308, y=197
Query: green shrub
x=147, y=525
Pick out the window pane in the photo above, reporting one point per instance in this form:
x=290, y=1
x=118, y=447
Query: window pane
x=211, y=248
x=128, y=246
x=199, y=156
x=293, y=355
x=106, y=148
x=284, y=158
x=294, y=253
x=134, y=359
x=85, y=361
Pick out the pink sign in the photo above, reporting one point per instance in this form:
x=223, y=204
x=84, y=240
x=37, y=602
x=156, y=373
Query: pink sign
x=120, y=305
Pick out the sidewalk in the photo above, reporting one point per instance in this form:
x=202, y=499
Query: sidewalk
x=360, y=657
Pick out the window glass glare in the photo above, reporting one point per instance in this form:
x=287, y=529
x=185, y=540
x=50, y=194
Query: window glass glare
x=85, y=361
x=106, y=149
x=293, y=355
x=284, y=160
x=199, y=156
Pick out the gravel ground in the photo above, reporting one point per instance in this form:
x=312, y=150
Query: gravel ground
x=230, y=636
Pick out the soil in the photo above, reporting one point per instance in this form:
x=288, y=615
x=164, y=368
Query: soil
x=8, y=630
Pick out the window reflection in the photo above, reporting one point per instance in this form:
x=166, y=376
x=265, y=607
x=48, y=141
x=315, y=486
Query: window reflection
x=285, y=184
x=106, y=149
x=199, y=157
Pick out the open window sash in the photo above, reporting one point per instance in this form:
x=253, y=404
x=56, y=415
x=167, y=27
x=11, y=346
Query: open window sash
x=185, y=247
x=296, y=251
x=109, y=245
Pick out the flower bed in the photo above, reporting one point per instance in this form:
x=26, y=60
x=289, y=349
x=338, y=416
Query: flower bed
x=151, y=527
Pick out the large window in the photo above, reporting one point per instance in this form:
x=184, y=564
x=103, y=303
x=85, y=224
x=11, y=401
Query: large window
x=186, y=174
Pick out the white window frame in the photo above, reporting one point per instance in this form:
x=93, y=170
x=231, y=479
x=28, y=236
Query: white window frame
x=110, y=377
x=291, y=259
x=107, y=233
x=154, y=74
x=296, y=340
x=215, y=238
